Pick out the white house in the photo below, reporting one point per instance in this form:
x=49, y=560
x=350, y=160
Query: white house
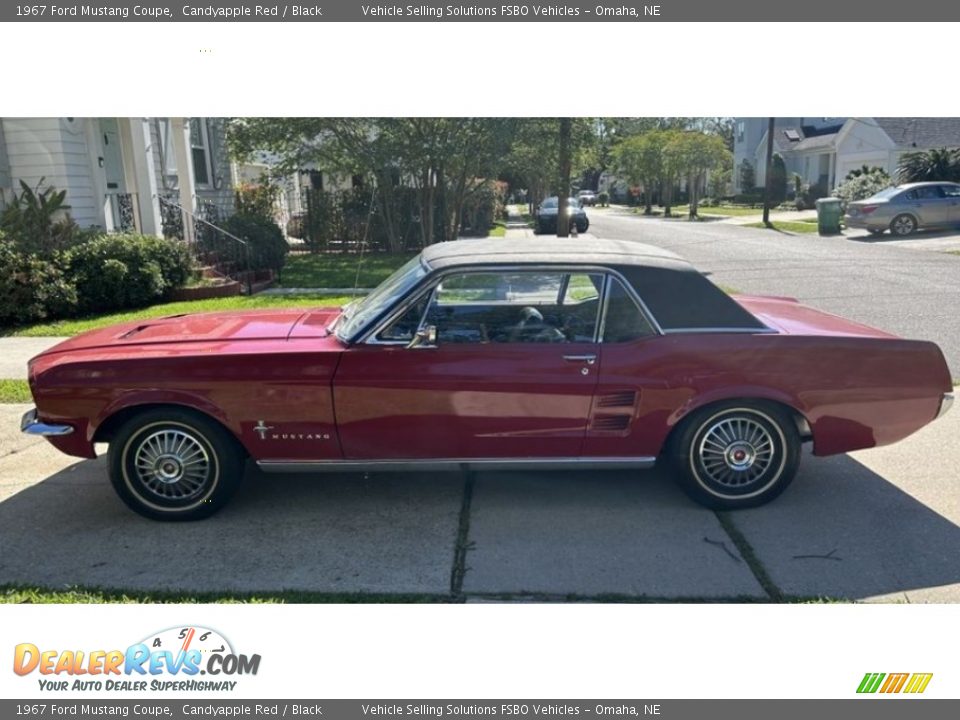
x=121, y=173
x=824, y=152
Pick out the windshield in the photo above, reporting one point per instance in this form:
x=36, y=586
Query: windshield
x=357, y=314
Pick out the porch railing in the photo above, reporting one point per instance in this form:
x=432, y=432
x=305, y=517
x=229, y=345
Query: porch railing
x=215, y=250
x=123, y=209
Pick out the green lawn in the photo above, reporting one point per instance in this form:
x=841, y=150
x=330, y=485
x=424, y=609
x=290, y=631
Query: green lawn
x=339, y=270
x=803, y=226
x=241, y=302
x=14, y=391
x=498, y=230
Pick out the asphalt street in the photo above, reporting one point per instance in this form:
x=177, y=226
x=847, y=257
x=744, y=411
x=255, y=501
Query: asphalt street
x=884, y=283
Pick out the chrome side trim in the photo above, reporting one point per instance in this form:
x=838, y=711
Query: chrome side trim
x=31, y=425
x=578, y=463
x=946, y=402
x=743, y=331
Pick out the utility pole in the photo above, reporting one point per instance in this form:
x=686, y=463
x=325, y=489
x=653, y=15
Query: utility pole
x=767, y=177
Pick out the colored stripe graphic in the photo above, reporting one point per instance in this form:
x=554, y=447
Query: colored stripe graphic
x=894, y=683
x=870, y=682
x=918, y=683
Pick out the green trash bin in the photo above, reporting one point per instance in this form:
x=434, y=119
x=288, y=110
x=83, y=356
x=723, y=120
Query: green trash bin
x=829, y=212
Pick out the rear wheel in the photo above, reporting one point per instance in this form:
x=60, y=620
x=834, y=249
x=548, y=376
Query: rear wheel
x=174, y=464
x=736, y=454
x=903, y=225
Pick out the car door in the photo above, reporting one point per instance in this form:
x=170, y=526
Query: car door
x=930, y=205
x=952, y=194
x=633, y=398
x=510, y=374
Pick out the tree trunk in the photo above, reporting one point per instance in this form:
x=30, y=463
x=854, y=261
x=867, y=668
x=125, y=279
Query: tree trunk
x=385, y=193
x=563, y=189
x=767, y=194
x=693, y=188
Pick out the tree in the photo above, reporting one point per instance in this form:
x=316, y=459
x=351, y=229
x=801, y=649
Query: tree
x=778, y=180
x=694, y=154
x=639, y=159
x=443, y=159
x=748, y=178
x=941, y=164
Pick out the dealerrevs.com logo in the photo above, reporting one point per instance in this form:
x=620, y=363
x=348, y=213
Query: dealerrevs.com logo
x=176, y=659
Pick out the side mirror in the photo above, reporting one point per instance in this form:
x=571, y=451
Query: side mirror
x=426, y=337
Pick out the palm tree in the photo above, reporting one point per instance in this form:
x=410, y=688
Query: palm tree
x=936, y=164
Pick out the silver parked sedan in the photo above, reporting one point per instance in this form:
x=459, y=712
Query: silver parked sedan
x=905, y=208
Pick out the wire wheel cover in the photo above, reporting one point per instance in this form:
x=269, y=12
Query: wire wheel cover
x=736, y=451
x=172, y=464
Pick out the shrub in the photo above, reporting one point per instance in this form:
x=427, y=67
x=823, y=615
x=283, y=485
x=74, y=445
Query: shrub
x=266, y=244
x=120, y=271
x=257, y=200
x=31, y=288
x=862, y=185
x=36, y=220
x=809, y=196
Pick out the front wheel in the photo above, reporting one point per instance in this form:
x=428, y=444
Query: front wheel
x=173, y=464
x=736, y=454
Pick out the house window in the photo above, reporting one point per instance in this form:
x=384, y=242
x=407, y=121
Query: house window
x=740, y=126
x=200, y=150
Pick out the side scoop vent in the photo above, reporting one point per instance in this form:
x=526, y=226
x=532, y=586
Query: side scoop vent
x=624, y=399
x=610, y=423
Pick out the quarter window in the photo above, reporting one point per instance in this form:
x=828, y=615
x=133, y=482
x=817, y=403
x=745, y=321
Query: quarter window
x=624, y=320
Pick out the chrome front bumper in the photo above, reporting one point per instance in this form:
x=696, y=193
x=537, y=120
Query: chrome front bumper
x=31, y=425
x=945, y=403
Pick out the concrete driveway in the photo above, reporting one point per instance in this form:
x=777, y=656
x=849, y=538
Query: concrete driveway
x=879, y=524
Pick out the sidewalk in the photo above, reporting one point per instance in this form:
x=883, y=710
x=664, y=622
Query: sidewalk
x=775, y=215
x=516, y=227
x=15, y=351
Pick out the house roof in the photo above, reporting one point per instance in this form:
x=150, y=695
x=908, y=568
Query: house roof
x=910, y=133
x=555, y=251
x=817, y=142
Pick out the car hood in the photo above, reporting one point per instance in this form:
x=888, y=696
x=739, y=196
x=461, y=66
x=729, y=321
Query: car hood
x=205, y=327
x=789, y=317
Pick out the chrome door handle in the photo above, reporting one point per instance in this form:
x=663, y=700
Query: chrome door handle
x=588, y=359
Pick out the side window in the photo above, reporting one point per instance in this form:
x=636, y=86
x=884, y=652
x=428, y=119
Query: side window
x=624, y=320
x=515, y=307
x=951, y=191
x=928, y=192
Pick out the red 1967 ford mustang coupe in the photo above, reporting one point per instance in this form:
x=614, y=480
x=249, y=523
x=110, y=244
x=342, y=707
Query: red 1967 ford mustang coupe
x=491, y=354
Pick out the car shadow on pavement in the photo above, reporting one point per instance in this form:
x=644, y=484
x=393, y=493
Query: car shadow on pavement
x=330, y=533
x=843, y=531
x=864, y=236
x=840, y=531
